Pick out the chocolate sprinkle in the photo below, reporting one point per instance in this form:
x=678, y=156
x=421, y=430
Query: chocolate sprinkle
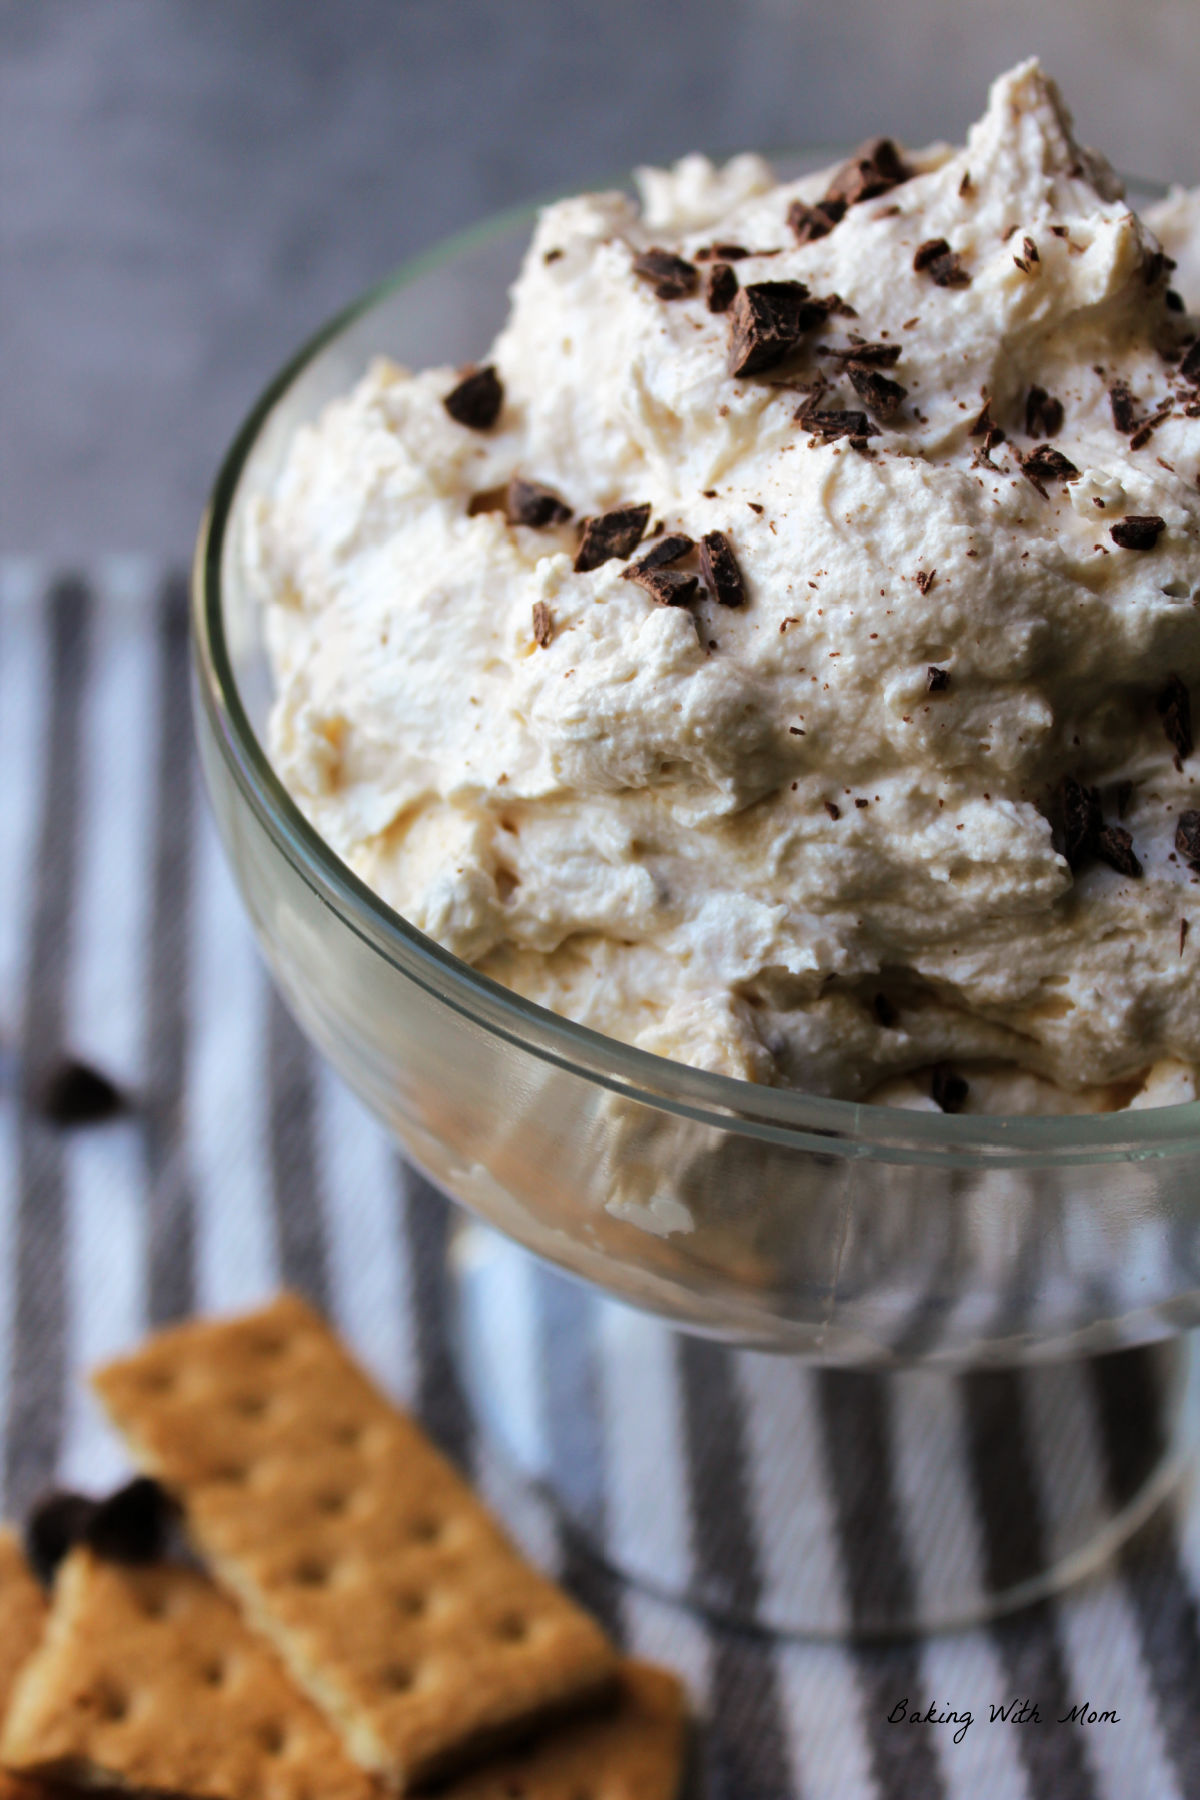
x=948, y=1089
x=529, y=503
x=882, y=395
x=670, y=587
x=1043, y=414
x=543, y=625
x=875, y=168
x=937, y=680
x=615, y=533
x=1115, y=846
x=56, y=1525
x=1137, y=531
x=1187, y=839
x=720, y=568
x=133, y=1525
x=673, y=277
x=720, y=288
x=812, y=222
x=1045, y=463
x=477, y=399
x=1174, y=708
x=1124, y=407
x=74, y=1093
x=669, y=551
x=1081, y=819
x=766, y=323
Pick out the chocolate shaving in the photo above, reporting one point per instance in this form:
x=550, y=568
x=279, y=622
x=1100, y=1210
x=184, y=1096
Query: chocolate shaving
x=1175, y=301
x=944, y=265
x=721, y=570
x=1045, y=463
x=834, y=811
x=812, y=222
x=529, y=503
x=133, y=1525
x=1189, y=368
x=543, y=625
x=867, y=356
x=875, y=168
x=983, y=456
x=670, y=587
x=1174, y=707
x=720, y=288
x=1148, y=427
x=488, y=500
x=615, y=533
x=1124, y=407
x=56, y=1525
x=1077, y=811
x=924, y=580
x=1030, y=256
x=477, y=399
x=985, y=426
x=882, y=395
x=928, y=253
x=937, y=680
x=673, y=278
x=669, y=551
x=1137, y=531
x=74, y=1093
x=1043, y=414
x=828, y=426
x=767, y=320
x=948, y=1089
x=1115, y=846
x=1187, y=839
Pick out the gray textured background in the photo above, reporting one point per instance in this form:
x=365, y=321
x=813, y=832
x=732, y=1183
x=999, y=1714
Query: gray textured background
x=190, y=186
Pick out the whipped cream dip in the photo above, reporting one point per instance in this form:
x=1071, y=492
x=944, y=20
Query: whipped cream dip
x=779, y=653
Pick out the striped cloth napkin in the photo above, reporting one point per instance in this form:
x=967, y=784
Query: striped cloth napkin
x=244, y=1163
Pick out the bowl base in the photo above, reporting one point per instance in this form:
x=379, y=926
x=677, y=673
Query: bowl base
x=814, y=1501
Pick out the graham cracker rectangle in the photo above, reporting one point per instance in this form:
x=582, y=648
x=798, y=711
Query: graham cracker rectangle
x=634, y=1750
x=147, y=1679
x=22, y=1613
x=388, y=1589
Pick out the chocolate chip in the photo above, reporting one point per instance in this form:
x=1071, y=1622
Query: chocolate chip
x=615, y=533
x=875, y=168
x=924, y=580
x=132, y=1525
x=56, y=1524
x=543, y=625
x=477, y=399
x=720, y=568
x=1079, y=816
x=1115, y=846
x=670, y=550
x=1124, y=407
x=529, y=503
x=672, y=276
x=767, y=320
x=74, y=1093
x=882, y=395
x=936, y=680
x=1174, y=706
x=720, y=288
x=941, y=263
x=884, y=1011
x=670, y=587
x=1137, y=531
x=1045, y=463
x=1187, y=838
x=812, y=222
x=834, y=811
x=1043, y=414
x=949, y=1090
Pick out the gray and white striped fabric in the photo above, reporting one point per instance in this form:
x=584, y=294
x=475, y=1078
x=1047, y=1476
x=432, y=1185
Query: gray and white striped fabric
x=245, y=1164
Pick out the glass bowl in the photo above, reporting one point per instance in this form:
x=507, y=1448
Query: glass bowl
x=839, y=1232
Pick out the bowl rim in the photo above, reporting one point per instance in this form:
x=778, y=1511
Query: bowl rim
x=793, y=1117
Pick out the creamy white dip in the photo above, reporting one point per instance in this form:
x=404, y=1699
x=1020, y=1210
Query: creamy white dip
x=766, y=840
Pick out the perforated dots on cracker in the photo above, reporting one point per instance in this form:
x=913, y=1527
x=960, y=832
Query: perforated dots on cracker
x=388, y=1589
x=146, y=1678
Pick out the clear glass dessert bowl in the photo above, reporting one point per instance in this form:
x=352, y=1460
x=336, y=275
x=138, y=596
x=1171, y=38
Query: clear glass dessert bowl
x=771, y=1220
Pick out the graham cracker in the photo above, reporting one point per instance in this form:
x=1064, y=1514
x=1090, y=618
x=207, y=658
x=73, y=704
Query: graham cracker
x=632, y=1751
x=22, y=1614
x=147, y=1679
x=387, y=1588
